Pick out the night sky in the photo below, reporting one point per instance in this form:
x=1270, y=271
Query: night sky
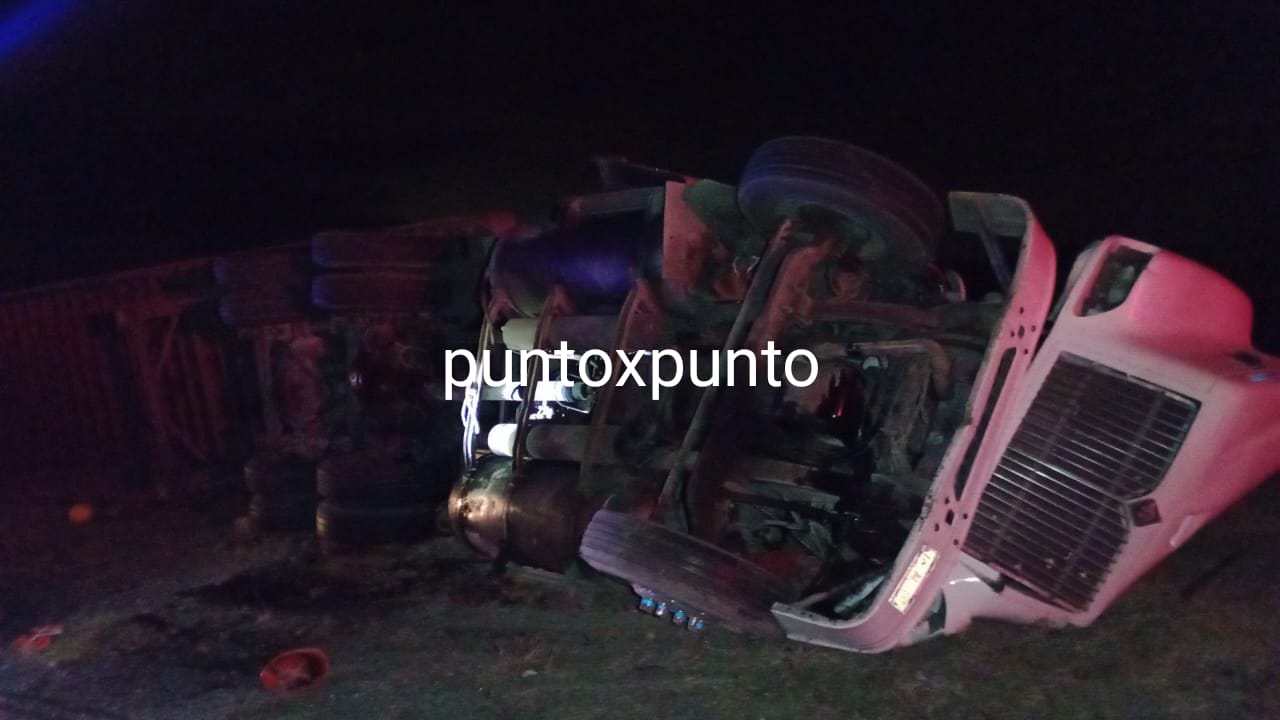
x=134, y=132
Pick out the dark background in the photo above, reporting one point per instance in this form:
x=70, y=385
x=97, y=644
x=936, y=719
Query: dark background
x=134, y=132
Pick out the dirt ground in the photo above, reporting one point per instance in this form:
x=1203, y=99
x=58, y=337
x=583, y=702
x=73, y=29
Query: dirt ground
x=166, y=615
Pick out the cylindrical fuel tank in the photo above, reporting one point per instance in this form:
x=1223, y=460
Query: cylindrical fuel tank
x=536, y=519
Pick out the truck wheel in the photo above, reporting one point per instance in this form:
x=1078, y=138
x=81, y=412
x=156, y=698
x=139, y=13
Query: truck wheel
x=250, y=309
x=900, y=216
x=260, y=269
x=381, y=291
x=382, y=249
x=282, y=511
x=340, y=526
x=419, y=245
x=270, y=473
x=358, y=481
x=698, y=574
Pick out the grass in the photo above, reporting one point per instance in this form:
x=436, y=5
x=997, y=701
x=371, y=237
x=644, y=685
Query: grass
x=431, y=632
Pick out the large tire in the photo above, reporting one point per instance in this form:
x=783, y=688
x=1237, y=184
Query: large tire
x=382, y=249
x=899, y=213
x=280, y=512
x=348, y=249
x=343, y=526
x=258, y=269
x=250, y=309
x=358, y=481
x=420, y=245
x=698, y=574
x=271, y=474
x=383, y=291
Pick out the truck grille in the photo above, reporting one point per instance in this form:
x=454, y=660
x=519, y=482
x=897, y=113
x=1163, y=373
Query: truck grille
x=1053, y=516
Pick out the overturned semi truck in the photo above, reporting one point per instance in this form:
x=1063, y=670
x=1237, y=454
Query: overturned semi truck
x=969, y=447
